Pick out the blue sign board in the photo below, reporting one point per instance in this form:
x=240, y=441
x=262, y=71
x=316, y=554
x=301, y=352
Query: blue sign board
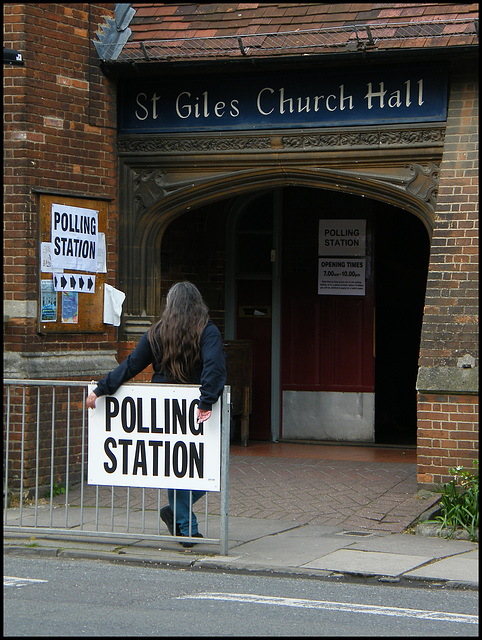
x=283, y=100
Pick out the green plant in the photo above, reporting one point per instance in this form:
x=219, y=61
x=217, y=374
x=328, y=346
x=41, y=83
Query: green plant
x=459, y=503
x=57, y=489
x=32, y=542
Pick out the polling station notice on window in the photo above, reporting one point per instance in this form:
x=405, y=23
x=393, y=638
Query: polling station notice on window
x=147, y=435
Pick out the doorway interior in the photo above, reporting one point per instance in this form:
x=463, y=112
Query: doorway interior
x=330, y=343
x=402, y=252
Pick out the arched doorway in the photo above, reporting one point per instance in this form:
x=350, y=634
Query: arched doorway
x=350, y=361
x=198, y=217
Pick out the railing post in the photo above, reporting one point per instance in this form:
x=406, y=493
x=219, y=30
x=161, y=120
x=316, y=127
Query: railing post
x=225, y=438
x=5, y=482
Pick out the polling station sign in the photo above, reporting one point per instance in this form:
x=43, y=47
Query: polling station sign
x=74, y=238
x=147, y=435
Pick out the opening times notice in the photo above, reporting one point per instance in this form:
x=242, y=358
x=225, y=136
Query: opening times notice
x=341, y=276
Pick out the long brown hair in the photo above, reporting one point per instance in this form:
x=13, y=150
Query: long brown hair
x=176, y=339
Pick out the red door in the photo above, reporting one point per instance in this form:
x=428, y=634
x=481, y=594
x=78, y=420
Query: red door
x=327, y=341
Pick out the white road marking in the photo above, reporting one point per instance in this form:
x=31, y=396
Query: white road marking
x=11, y=581
x=336, y=606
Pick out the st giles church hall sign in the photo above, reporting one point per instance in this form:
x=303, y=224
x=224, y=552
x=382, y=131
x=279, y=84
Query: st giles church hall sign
x=208, y=102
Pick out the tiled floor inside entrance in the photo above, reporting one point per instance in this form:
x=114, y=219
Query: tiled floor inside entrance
x=326, y=452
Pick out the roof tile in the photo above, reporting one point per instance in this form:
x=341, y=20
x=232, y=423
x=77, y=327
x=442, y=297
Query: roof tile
x=390, y=13
x=204, y=34
x=179, y=21
x=147, y=11
x=185, y=9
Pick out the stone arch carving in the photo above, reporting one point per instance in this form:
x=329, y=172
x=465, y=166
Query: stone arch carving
x=158, y=197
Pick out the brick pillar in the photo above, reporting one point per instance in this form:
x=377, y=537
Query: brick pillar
x=447, y=382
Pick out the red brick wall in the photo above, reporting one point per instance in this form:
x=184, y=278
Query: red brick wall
x=59, y=135
x=447, y=416
x=125, y=348
x=450, y=326
x=447, y=435
x=30, y=430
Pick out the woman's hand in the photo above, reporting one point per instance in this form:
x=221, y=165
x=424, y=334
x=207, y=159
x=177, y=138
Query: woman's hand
x=202, y=415
x=90, y=400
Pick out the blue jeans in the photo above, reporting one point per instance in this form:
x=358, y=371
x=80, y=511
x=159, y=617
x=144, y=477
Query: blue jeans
x=182, y=509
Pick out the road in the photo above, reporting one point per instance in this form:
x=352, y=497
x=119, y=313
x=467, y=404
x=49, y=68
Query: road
x=55, y=597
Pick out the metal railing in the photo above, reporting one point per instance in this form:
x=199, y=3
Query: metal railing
x=45, y=487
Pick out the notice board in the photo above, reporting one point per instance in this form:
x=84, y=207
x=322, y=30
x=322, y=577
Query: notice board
x=72, y=264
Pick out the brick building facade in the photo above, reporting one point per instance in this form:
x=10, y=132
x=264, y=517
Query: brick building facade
x=164, y=191
x=59, y=138
x=59, y=141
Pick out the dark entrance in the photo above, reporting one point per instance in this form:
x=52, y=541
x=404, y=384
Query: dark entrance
x=330, y=342
x=254, y=244
x=402, y=250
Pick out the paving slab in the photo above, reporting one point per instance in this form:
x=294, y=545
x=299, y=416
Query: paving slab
x=285, y=550
x=241, y=529
x=457, y=569
x=367, y=562
x=404, y=543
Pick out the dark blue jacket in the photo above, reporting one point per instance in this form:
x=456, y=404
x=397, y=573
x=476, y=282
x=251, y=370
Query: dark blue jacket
x=210, y=373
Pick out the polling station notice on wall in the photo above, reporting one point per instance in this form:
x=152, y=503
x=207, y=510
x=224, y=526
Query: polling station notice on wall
x=341, y=276
x=146, y=435
x=74, y=238
x=342, y=238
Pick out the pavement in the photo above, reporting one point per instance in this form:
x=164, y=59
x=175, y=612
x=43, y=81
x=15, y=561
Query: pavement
x=334, y=513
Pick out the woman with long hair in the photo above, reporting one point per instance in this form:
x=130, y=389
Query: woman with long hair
x=184, y=347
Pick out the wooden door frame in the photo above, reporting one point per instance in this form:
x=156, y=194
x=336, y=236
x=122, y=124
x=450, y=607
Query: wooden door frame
x=230, y=293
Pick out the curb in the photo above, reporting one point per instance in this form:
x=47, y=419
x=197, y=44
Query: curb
x=199, y=564
x=433, y=530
